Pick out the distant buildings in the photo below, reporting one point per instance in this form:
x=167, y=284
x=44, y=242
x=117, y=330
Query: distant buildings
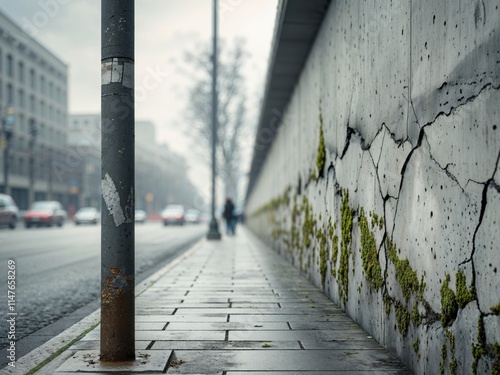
x=51, y=156
x=34, y=83
x=161, y=175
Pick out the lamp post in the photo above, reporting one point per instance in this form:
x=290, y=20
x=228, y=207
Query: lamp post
x=213, y=232
x=117, y=176
x=7, y=131
x=33, y=132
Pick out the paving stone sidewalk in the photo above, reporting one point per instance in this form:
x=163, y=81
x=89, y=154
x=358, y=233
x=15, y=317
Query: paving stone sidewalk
x=235, y=307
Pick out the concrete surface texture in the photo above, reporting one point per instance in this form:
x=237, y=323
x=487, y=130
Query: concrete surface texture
x=383, y=181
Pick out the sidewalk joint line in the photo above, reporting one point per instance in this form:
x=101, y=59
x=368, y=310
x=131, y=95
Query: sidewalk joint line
x=175, y=310
x=165, y=326
x=289, y=325
x=150, y=345
x=228, y=316
x=226, y=338
x=301, y=345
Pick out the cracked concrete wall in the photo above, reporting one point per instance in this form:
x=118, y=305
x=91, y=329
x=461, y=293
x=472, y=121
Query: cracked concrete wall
x=407, y=96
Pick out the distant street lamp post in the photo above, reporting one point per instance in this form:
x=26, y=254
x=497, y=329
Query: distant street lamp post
x=8, y=119
x=213, y=232
x=33, y=132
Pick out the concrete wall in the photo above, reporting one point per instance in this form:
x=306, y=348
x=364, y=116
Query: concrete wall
x=383, y=182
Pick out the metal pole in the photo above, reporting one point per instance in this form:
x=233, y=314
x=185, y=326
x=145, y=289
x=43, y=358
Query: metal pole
x=117, y=176
x=8, y=130
x=31, y=194
x=6, y=188
x=213, y=232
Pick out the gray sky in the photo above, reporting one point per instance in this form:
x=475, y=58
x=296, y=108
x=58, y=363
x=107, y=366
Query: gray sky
x=165, y=30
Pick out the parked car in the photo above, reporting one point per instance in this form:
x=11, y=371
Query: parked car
x=45, y=213
x=192, y=216
x=173, y=214
x=9, y=213
x=87, y=215
x=140, y=216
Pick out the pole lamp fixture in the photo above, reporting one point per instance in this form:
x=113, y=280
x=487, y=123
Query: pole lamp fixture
x=8, y=121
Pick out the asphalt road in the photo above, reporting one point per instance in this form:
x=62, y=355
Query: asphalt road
x=57, y=273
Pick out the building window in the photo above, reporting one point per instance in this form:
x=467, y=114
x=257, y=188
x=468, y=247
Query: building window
x=20, y=99
x=21, y=166
x=42, y=109
x=32, y=105
x=32, y=79
x=10, y=95
x=51, y=90
x=10, y=66
x=22, y=124
x=20, y=68
x=42, y=84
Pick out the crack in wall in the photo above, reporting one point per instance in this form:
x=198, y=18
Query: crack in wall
x=484, y=201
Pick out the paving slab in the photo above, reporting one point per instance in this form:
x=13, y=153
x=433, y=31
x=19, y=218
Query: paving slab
x=314, y=335
x=95, y=345
x=289, y=318
x=183, y=318
x=195, y=326
x=212, y=361
x=226, y=345
x=86, y=361
x=180, y=335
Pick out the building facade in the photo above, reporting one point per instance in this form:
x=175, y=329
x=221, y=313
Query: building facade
x=34, y=85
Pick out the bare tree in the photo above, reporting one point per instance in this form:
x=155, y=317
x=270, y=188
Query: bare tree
x=231, y=107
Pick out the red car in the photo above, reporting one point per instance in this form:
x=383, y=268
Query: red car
x=45, y=213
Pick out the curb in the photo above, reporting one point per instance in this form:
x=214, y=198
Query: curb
x=54, y=352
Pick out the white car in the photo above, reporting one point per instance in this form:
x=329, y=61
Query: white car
x=140, y=216
x=87, y=215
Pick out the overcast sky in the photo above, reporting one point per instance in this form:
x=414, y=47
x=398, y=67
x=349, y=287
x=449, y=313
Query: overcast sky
x=165, y=30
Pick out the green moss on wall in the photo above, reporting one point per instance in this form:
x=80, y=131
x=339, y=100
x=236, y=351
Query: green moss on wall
x=496, y=365
x=369, y=253
x=294, y=232
x=377, y=221
x=496, y=309
x=464, y=294
x=416, y=345
x=346, y=224
x=388, y=304
x=402, y=318
x=416, y=318
x=405, y=275
x=309, y=222
x=323, y=255
x=449, y=305
x=318, y=172
x=444, y=356
x=478, y=348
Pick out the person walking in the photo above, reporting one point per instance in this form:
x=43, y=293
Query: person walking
x=228, y=215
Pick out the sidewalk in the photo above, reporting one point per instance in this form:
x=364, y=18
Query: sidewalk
x=235, y=307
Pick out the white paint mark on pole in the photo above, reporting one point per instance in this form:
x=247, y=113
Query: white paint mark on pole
x=112, y=200
x=118, y=71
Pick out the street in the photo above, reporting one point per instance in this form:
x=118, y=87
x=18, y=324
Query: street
x=57, y=270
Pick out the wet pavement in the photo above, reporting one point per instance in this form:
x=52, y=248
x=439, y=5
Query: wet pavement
x=236, y=307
